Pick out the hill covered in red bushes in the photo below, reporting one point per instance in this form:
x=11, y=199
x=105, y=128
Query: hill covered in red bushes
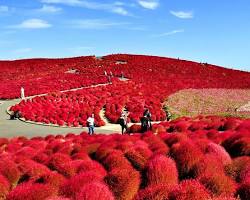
x=39, y=76
x=150, y=80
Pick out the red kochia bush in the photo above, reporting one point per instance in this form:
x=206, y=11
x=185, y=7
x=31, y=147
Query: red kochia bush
x=244, y=191
x=33, y=169
x=135, y=129
x=73, y=185
x=116, y=159
x=237, y=166
x=95, y=191
x=10, y=170
x=219, y=152
x=124, y=183
x=31, y=191
x=175, y=138
x=58, y=198
x=161, y=170
x=223, y=198
x=156, y=144
x=54, y=179
x=232, y=124
x=62, y=163
x=154, y=192
x=208, y=164
x=189, y=190
x=238, y=144
x=26, y=152
x=4, y=187
x=91, y=165
x=186, y=154
x=245, y=174
x=138, y=157
x=181, y=126
x=218, y=184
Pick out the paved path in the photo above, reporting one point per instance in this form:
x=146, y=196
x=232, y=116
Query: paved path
x=15, y=128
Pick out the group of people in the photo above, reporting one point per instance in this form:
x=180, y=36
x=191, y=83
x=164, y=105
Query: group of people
x=110, y=76
x=145, y=121
x=123, y=121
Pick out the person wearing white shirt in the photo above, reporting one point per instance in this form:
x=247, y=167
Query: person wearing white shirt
x=22, y=93
x=91, y=124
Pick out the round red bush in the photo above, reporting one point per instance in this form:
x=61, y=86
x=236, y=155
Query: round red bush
x=161, y=170
x=95, y=191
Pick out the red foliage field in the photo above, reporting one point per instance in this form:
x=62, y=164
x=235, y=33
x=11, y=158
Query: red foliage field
x=150, y=81
x=190, y=158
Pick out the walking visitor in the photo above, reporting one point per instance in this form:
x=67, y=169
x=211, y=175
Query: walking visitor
x=91, y=124
x=123, y=121
x=148, y=115
x=22, y=93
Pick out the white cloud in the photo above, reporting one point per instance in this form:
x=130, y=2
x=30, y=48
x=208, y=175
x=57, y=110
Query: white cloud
x=116, y=7
x=169, y=33
x=22, y=51
x=32, y=24
x=67, y=2
x=4, y=9
x=95, y=24
x=49, y=9
x=182, y=14
x=81, y=49
x=149, y=4
x=120, y=11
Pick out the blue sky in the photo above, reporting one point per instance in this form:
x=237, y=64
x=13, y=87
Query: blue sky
x=213, y=31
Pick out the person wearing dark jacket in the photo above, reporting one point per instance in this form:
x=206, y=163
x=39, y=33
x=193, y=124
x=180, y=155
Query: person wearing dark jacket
x=148, y=115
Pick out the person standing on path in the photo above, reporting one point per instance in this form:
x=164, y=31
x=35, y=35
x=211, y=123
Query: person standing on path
x=91, y=124
x=148, y=115
x=22, y=93
x=123, y=121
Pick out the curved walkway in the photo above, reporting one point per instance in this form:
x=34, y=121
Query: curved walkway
x=15, y=128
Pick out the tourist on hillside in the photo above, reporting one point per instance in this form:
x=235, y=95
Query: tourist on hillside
x=15, y=115
x=123, y=121
x=148, y=115
x=22, y=93
x=105, y=73
x=91, y=124
x=109, y=79
x=144, y=124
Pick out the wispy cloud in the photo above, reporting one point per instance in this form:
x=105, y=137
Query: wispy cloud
x=22, y=51
x=183, y=14
x=4, y=9
x=121, y=11
x=117, y=7
x=32, y=24
x=49, y=9
x=169, y=33
x=149, y=4
x=95, y=24
x=81, y=49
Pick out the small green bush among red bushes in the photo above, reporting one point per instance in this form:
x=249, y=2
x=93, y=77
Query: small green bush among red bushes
x=190, y=165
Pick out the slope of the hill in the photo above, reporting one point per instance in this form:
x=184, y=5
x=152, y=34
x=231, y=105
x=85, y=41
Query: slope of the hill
x=46, y=75
x=150, y=81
